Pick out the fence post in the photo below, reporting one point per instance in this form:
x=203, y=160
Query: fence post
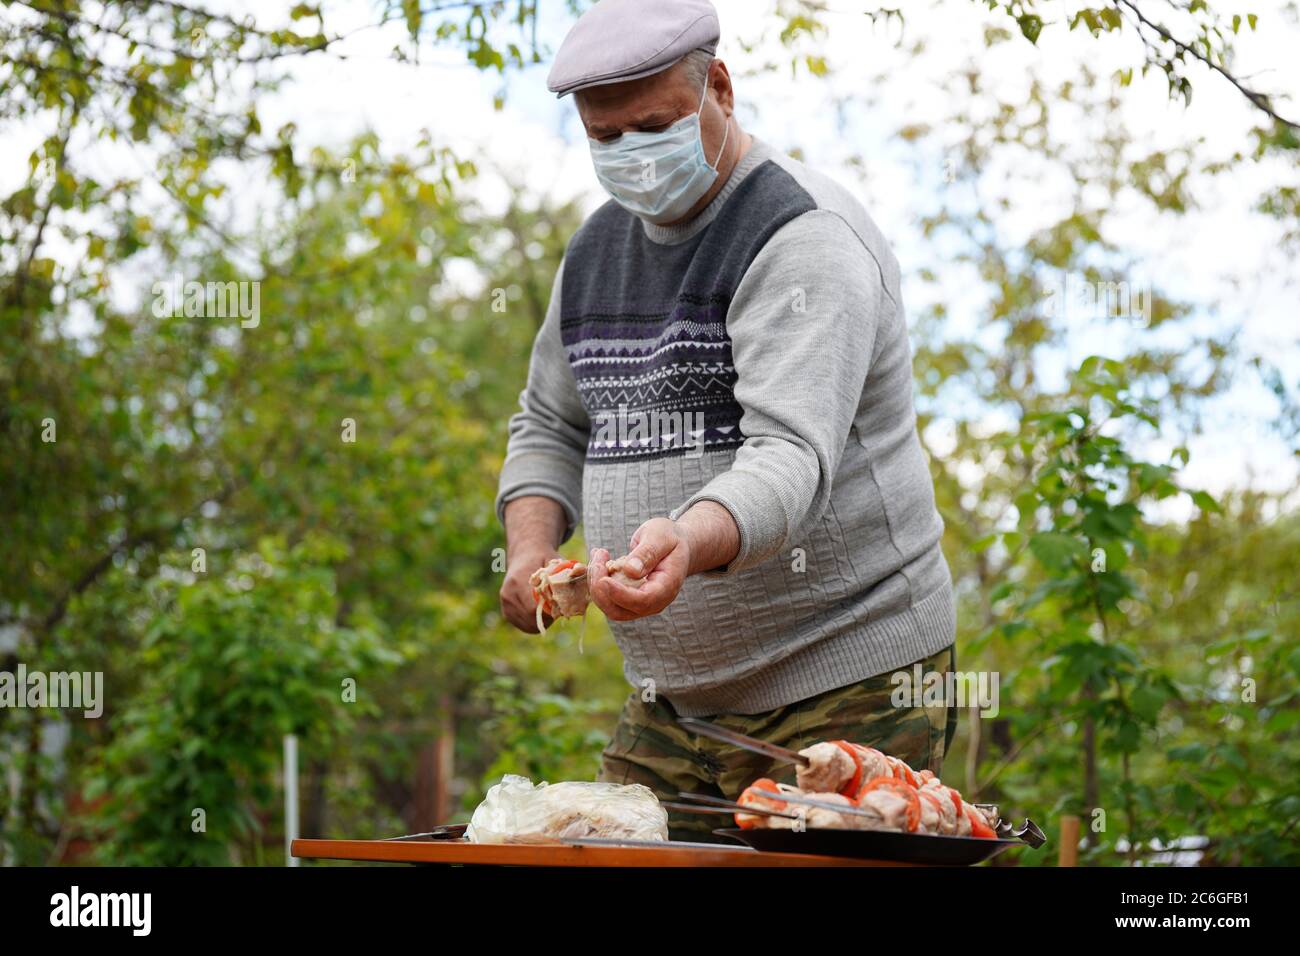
x=290, y=798
x=1068, y=853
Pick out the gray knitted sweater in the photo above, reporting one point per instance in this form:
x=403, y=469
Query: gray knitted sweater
x=756, y=356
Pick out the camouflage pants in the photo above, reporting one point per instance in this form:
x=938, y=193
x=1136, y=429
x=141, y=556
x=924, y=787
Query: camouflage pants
x=649, y=747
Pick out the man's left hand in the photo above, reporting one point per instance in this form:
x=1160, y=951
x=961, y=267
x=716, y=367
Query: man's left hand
x=660, y=556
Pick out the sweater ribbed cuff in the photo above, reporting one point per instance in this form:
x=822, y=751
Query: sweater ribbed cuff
x=546, y=474
x=757, y=510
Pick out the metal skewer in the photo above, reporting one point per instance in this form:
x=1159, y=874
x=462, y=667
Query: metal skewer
x=706, y=729
x=728, y=809
x=807, y=802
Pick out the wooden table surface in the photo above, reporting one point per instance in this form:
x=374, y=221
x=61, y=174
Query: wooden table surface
x=461, y=852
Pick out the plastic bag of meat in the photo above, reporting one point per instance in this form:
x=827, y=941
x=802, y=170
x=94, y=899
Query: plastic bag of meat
x=518, y=811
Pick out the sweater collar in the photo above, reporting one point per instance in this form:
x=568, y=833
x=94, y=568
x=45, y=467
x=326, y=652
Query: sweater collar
x=758, y=153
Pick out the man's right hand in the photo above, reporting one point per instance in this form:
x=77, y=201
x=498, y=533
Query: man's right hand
x=517, y=602
x=534, y=528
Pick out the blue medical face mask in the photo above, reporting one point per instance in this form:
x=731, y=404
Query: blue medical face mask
x=658, y=176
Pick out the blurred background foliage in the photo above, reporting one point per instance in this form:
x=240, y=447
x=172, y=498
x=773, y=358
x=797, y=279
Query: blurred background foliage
x=203, y=532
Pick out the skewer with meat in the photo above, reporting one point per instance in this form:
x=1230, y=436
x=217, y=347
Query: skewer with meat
x=906, y=800
x=560, y=590
x=561, y=587
x=856, y=787
x=756, y=795
x=837, y=766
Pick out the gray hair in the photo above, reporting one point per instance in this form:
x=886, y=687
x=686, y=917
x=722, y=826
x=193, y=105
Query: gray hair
x=695, y=65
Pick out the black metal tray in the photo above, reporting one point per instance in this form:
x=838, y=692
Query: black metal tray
x=873, y=845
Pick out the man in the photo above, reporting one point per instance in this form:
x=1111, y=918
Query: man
x=722, y=387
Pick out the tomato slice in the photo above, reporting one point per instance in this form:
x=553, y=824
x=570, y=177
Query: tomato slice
x=956, y=800
x=851, y=788
x=979, y=827
x=904, y=773
x=762, y=783
x=901, y=771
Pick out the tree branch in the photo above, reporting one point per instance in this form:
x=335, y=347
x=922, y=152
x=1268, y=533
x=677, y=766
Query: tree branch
x=1257, y=99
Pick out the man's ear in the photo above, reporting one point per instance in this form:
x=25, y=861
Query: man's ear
x=720, y=83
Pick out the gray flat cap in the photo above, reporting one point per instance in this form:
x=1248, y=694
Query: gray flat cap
x=619, y=40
